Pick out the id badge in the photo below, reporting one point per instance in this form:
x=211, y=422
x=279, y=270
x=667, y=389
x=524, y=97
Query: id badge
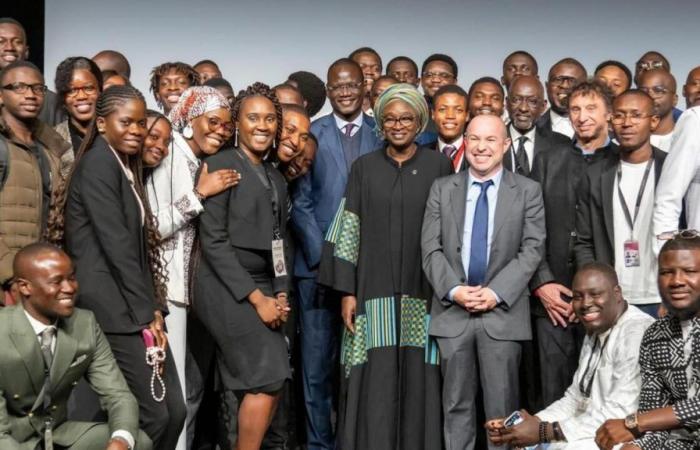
x=582, y=405
x=631, y=252
x=278, y=260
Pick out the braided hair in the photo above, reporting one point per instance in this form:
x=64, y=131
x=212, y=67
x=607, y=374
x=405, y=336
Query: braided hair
x=159, y=71
x=107, y=103
x=259, y=89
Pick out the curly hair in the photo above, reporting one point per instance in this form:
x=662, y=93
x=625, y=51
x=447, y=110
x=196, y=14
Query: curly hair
x=594, y=87
x=258, y=89
x=159, y=71
x=64, y=74
x=107, y=103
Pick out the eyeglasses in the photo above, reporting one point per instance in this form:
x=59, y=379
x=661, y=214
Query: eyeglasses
x=444, y=76
x=404, y=121
x=655, y=90
x=21, y=88
x=649, y=65
x=619, y=118
x=216, y=124
x=516, y=100
x=352, y=87
x=562, y=80
x=87, y=90
x=675, y=234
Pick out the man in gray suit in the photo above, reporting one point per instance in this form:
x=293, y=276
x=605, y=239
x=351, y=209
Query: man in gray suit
x=483, y=238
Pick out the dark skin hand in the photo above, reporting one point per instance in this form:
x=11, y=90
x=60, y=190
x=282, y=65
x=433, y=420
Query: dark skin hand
x=613, y=431
x=524, y=434
x=273, y=311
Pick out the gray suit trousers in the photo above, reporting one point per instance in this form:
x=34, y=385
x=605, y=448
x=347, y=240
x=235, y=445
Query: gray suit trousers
x=470, y=360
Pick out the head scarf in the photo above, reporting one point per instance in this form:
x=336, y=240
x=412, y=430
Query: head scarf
x=408, y=94
x=194, y=102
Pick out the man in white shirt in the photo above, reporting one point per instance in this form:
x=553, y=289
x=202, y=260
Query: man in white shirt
x=49, y=347
x=607, y=381
x=615, y=204
x=680, y=179
x=661, y=87
x=562, y=78
x=450, y=117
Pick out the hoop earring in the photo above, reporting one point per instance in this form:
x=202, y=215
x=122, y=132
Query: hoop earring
x=187, y=132
x=235, y=138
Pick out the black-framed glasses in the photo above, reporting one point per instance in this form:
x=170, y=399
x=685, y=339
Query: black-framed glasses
x=619, y=118
x=87, y=90
x=21, y=88
x=517, y=100
x=562, y=80
x=404, y=121
x=352, y=87
x=444, y=76
x=676, y=234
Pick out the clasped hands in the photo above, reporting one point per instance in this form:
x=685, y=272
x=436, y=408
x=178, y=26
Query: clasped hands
x=475, y=299
x=273, y=311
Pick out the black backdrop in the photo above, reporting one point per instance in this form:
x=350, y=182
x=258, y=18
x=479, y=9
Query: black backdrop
x=30, y=13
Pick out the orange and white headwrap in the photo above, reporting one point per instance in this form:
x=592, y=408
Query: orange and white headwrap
x=194, y=102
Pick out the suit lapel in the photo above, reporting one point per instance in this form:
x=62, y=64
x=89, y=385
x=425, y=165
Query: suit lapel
x=27, y=345
x=458, y=200
x=66, y=347
x=335, y=145
x=607, y=182
x=506, y=197
x=366, y=137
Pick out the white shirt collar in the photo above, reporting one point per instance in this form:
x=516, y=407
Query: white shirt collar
x=515, y=134
x=37, y=326
x=341, y=123
x=457, y=143
x=556, y=117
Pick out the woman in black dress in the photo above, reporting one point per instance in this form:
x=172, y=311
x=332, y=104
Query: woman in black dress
x=103, y=217
x=242, y=285
x=390, y=396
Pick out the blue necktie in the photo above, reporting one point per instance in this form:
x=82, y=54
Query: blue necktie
x=478, y=255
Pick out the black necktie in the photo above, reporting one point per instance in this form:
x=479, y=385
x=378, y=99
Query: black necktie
x=522, y=162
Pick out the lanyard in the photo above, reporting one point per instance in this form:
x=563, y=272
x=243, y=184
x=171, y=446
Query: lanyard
x=270, y=186
x=631, y=220
x=584, y=387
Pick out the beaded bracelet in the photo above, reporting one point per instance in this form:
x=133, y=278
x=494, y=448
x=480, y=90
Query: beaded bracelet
x=544, y=438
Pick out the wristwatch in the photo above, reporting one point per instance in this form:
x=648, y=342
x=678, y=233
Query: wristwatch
x=632, y=424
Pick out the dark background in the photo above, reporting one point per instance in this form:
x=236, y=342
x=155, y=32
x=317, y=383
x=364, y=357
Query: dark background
x=30, y=13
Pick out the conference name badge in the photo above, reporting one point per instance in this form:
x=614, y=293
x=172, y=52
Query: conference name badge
x=631, y=253
x=278, y=260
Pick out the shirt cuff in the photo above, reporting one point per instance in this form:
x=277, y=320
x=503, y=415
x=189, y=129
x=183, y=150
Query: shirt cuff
x=123, y=434
x=451, y=294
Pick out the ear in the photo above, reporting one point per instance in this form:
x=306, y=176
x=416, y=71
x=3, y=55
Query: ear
x=417, y=82
x=506, y=144
x=26, y=52
x=101, y=124
x=24, y=287
x=675, y=99
x=503, y=81
x=655, y=119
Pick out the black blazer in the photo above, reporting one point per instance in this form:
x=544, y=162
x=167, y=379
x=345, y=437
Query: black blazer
x=107, y=242
x=559, y=172
x=434, y=146
x=240, y=217
x=544, y=141
x=594, y=216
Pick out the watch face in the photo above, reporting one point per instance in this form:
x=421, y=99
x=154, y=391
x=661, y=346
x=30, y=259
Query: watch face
x=631, y=421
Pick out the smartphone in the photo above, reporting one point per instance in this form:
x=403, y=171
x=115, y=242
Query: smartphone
x=513, y=420
x=148, y=338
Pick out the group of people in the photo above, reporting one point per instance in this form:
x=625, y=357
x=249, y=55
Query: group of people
x=417, y=269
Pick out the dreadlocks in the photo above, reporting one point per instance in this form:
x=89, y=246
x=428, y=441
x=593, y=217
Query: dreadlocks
x=107, y=103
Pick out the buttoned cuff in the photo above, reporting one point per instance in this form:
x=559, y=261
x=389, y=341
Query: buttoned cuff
x=123, y=434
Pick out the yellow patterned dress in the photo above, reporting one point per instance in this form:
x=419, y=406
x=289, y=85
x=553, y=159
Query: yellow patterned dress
x=390, y=395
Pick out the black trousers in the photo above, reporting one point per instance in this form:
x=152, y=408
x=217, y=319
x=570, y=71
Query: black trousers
x=162, y=421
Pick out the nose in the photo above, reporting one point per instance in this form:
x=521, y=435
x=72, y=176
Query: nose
x=486, y=101
x=81, y=94
x=69, y=286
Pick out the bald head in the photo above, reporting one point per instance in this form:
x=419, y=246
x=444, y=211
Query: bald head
x=486, y=143
x=661, y=86
x=113, y=60
x=691, y=88
x=492, y=124
x=30, y=257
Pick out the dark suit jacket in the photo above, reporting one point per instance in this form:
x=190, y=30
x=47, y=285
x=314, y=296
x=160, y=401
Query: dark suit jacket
x=517, y=246
x=81, y=351
x=595, y=234
x=464, y=164
x=559, y=173
x=240, y=217
x=317, y=194
x=544, y=141
x=107, y=242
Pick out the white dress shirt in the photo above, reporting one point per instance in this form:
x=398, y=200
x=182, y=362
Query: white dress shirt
x=39, y=328
x=341, y=123
x=616, y=384
x=515, y=136
x=459, y=157
x=680, y=177
x=662, y=141
x=171, y=196
x=561, y=124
